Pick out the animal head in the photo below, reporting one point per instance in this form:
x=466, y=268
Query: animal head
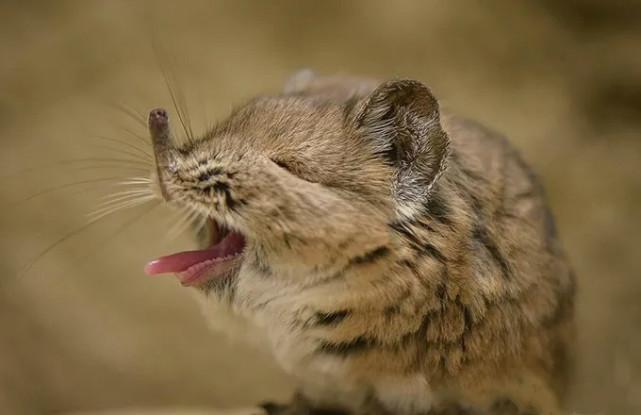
x=304, y=180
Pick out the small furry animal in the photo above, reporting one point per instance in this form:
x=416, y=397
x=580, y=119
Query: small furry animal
x=395, y=259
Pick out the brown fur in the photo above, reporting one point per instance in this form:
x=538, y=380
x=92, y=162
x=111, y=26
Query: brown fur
x=398, y=260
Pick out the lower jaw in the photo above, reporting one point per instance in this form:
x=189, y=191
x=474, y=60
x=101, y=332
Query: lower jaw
x=219, y=271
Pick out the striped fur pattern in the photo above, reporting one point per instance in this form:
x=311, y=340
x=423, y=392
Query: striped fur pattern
x=398, y=260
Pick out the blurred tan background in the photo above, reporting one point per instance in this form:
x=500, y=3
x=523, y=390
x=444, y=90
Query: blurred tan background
x=84, y=329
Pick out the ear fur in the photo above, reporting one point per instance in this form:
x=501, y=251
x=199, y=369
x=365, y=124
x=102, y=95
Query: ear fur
x=299, y=80
x=402, y=118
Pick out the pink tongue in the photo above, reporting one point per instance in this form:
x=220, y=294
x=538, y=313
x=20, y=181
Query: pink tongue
x=178, y=262
x=231, y=245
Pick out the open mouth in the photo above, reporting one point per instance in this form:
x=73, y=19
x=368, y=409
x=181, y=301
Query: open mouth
x=223, y=254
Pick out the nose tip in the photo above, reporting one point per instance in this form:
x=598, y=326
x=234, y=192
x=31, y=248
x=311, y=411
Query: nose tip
x=159, y=130
x=158, y=112
x=159, y=124
x=161, y=141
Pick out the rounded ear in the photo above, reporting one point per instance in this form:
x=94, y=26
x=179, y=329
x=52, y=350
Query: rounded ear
x=402, y=119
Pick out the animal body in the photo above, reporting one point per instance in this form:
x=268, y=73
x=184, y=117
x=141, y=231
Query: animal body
x=394, y=258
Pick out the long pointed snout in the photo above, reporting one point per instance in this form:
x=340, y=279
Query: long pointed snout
x=161, y=141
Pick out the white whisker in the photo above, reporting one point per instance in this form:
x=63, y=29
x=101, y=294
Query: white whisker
x=104, y=181
x=122, y=198
x=109, y=167
x=118, y=207
x=139, y=191
x=201, y=223
x=182, y=224
x=117, y=200
x=134, y=180
x=135, y=156
x=145, y=154
x=73, y=232
x=130, y=111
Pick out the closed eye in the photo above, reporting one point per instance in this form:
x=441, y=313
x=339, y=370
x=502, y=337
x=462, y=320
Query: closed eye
x=284, y=165
x=288, y=167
